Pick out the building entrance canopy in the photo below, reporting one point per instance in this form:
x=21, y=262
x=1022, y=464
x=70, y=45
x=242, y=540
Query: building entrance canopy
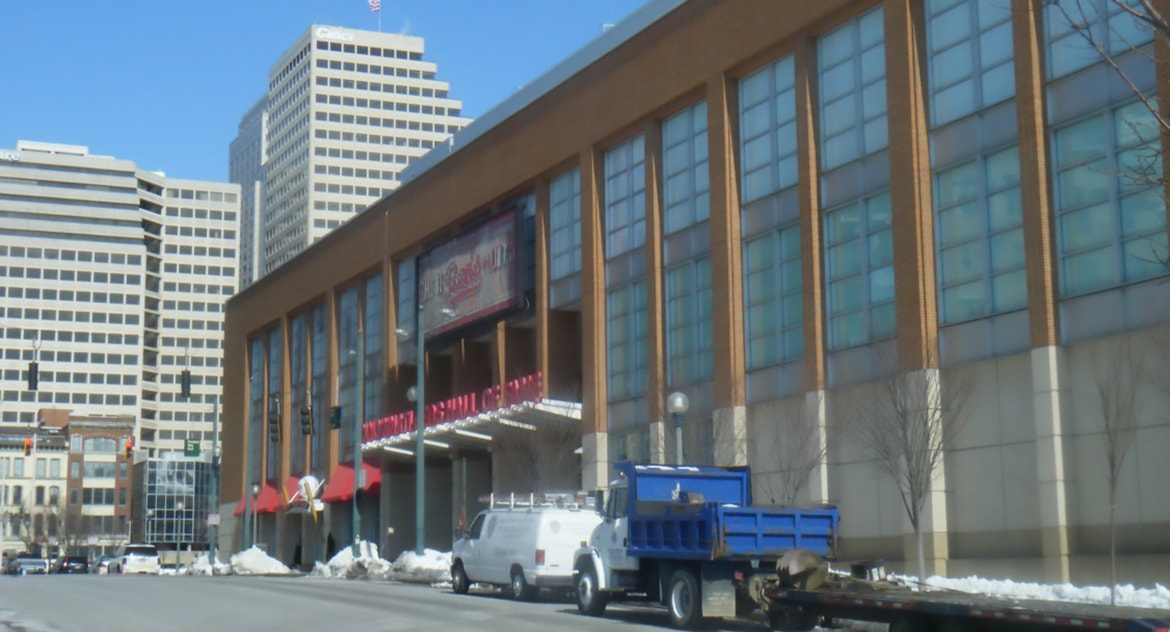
x=478, y=431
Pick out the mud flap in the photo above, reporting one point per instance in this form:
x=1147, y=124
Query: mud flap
x=718, y=592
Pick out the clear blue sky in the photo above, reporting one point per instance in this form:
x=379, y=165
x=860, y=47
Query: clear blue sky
x=164, y=82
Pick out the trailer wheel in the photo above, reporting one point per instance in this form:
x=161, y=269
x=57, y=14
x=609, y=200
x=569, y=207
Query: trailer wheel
x=590, y=600
x=684, y=602
x=459, y=582
x=909, y=624
x=791, y=620
x=520, y=589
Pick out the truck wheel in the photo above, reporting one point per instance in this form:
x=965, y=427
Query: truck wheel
x=790, y=620
x=459, y=582
x=684, y=604
x=521, y=591
x=590, y=600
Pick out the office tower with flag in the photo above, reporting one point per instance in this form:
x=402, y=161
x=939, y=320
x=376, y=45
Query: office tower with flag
x=345, y=112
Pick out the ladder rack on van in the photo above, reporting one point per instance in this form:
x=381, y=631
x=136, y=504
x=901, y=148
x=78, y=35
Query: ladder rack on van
x=563, y=500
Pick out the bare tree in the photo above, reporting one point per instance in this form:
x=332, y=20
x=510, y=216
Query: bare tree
x=906, y=425
x=69, y=525
x=541, y=459
x=1117, y=380
x=801, y=444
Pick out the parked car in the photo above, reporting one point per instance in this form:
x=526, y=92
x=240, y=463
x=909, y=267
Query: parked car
x=72, y=565
x=101, y=565
x=525, y=546
x=27, y=565
x=136, y=558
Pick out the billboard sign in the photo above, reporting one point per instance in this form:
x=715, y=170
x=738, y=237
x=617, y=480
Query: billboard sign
x=473, y=276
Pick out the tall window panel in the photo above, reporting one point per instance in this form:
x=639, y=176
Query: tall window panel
x=565, y=225
x=298, y=361
x=852, y=71
x=1110, y=25
x=1111, y=219
x=373, y=332
x=625, y=197
x=774, y=321
x=686, y=178
x=407, y=310
x=626, y=341
x=980, y=238
x=255, y=408
x=347, y=333
x=320, y=389
x=970, y=48
x=859, y=262
x=275, y=365
x=767, y=130
x=689, y=346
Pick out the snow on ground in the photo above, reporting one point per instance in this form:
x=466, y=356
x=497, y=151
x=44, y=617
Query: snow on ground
x=254, y=561
x=1127, y=594
x=201, y=566
x=433, y=566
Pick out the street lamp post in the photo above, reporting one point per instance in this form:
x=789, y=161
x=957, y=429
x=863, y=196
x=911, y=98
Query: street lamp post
x=359, y=414
x=213, y=530
x=677, y=403
x=178, y=533
x=255, y=514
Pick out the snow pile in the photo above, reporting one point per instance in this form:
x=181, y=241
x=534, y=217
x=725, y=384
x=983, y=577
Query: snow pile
x=201, y=566
x=256, y=562
x=432, y=566
x=368, y=565
x=1127, y=595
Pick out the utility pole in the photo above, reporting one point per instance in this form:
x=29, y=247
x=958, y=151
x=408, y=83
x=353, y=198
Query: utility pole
x=420, y=455
x=213, y=530
x=358, y=414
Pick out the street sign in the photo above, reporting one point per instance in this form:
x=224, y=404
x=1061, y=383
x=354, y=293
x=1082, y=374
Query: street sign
x=91, y=540
x=191, y=448
x=213, y=520
x=361, y=478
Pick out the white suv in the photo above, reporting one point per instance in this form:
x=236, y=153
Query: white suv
x=136, y=558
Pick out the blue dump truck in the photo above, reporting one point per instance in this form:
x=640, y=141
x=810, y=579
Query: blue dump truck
x=688, y=537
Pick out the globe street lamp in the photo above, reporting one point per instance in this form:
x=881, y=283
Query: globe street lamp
x=677, y=403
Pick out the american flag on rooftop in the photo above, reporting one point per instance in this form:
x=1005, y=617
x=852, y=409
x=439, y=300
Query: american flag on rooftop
x=375, y=6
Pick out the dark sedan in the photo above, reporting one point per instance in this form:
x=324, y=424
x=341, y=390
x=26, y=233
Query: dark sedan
x=72, y=565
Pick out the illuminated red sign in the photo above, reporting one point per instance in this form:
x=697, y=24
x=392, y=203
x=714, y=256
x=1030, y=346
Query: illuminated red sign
x=529, y=388
x=473, y=275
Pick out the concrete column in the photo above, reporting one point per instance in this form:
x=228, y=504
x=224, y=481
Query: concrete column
x=541, y=297
x=655, y=307
x=1048, y=386
x=659, y=453
x=730, y=415
x=595, y=461
x=397, y=501
x=816, y=415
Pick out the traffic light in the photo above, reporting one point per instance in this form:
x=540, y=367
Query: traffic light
x=335, y=417
x=28, y=443
x=274, y=419
x=32, y=376
x=307, y=419
x=130, y=448
x=185, y=384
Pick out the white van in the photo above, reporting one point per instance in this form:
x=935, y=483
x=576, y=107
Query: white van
x=525, y=546
x=136, y=558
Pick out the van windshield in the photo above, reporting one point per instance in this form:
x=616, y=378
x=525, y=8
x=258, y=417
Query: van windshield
x=476, y=528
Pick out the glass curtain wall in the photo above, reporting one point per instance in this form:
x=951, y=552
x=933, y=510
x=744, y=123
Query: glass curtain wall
x=565, y=225
x=298, y=366
x=320, y=391
x=255, y=410
x=275, y=364
x=373, y=332
x=347, y=334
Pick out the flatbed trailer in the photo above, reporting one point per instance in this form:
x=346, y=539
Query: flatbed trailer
x=909, y=610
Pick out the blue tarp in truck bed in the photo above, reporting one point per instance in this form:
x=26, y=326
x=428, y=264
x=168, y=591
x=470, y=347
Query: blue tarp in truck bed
x=704, y=513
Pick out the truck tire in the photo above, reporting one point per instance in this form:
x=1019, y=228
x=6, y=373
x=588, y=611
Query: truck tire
x=521, y=591
x=590, y=600
x=460, y=584
x=684, y=602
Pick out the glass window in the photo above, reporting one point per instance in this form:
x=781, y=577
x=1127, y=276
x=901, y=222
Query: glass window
x=565, y=225
x=774, y=318
x=297, y=373
x=970, y=49
x=689, y=346
x=767, y=130
x=372, y=391
x=980, y=238
x=1107, y=23
x=859, y=271
x=625, y=197
x=626, y=341
x=275, y=379
x=320, y=373
x=685, y=176
x=347, y=332
x=256, y=408
x=852, y=72
x=1111, y=222
x=407, y=308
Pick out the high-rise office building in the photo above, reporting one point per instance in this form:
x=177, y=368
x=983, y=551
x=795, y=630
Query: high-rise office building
x=345, y=112
x=246, y=161
x=113, y=280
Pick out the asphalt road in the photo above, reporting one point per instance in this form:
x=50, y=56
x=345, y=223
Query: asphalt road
x=97, y=603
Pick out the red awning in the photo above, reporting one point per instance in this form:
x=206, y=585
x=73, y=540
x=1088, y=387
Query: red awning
x=292, y=487
x=340, y=486
x=267, y=502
